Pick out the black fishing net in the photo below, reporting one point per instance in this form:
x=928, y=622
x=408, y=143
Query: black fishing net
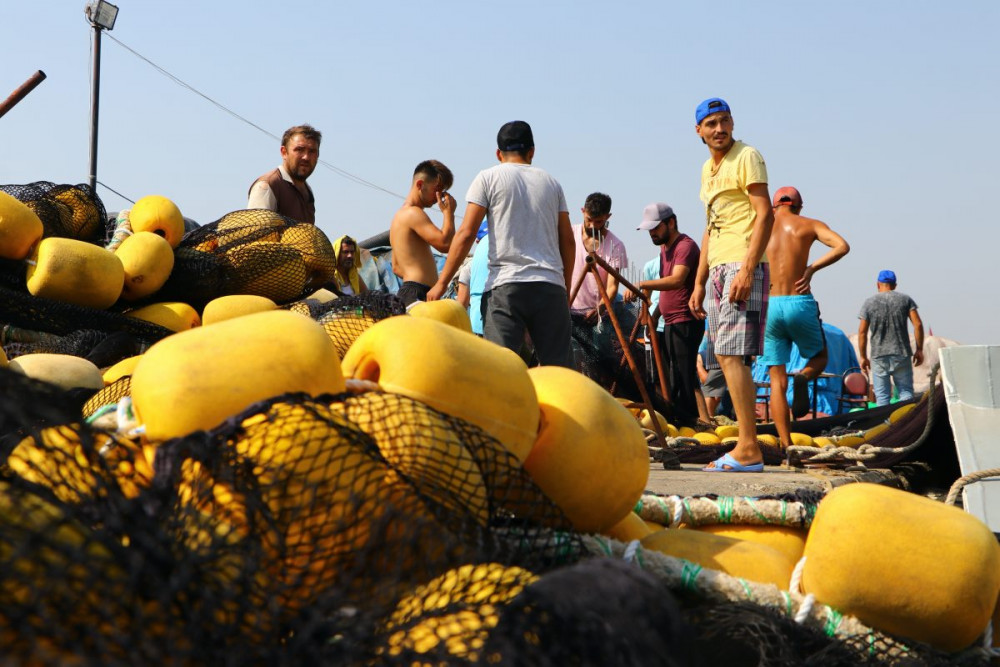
x=357, y=529
x=70, y=211
x=250, y=252
x=33, y=324
x=347, y=317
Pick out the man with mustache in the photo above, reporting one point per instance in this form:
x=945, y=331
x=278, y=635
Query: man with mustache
x=284, y=190
x=732, y=264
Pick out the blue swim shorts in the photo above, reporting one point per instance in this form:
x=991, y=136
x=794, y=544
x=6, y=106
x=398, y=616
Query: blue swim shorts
x=792, y=319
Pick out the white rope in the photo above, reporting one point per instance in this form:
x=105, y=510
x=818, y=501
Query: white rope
x=678, y=511
x=807, y=605
x=630, y=551
x=795, y=585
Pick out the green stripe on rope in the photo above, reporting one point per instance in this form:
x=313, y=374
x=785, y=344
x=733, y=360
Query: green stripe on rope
x=686, y=504
x=833, y=619
x=666, y=509
x=784, y=510
x=638, y=507
x=689, y=574
x=788, y=604
x=726, y=505
x=606, y=545
x=760, y=515
x=746, y=588
x=100, y=412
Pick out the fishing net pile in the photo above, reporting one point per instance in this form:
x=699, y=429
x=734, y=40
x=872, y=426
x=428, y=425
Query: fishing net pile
x=69, y=211
x=361, y=528
x=332, y=530
x=253, y=252
x=250, y=252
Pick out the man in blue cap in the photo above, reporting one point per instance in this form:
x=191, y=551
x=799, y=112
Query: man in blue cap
x=892, y=360
x=733, y=266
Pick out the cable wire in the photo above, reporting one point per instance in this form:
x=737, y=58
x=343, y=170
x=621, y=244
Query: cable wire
x=341, y=172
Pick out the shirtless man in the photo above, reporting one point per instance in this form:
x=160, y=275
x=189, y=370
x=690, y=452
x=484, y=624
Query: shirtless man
x=793, y=314
x=412, y=234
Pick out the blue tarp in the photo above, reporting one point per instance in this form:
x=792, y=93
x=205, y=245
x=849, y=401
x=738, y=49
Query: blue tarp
x=841, y=357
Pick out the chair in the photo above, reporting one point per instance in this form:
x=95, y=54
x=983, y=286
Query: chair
x=853, y=389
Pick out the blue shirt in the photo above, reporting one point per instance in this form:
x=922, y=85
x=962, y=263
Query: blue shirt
x=480, y=270
x=651, y=271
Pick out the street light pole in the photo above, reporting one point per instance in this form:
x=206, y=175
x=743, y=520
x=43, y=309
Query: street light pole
x=95, y=92
x=102, y=16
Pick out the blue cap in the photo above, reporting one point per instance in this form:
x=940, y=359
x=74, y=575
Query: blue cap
x=887, y=276
x=708, y=107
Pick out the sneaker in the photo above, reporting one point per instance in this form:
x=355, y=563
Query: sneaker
x=800, y=396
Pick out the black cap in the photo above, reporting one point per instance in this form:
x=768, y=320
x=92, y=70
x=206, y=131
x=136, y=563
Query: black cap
x=515, y=136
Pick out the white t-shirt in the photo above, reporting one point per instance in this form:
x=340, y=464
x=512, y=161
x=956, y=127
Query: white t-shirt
x=523, y=204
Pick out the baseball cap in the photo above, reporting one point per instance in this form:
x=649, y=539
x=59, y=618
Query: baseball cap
x=708, y=107
x=787, y=196
x=515, y=136
x=887, y=276
x=654, y=214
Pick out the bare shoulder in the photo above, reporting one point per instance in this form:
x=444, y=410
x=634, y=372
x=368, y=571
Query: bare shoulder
x=407, y=216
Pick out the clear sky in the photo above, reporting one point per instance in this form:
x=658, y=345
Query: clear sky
x=881, y=113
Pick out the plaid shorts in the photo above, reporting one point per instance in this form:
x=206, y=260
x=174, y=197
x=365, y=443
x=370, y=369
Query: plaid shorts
x=737, y=329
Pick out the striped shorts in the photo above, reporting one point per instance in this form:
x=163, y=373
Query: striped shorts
x=737, y=329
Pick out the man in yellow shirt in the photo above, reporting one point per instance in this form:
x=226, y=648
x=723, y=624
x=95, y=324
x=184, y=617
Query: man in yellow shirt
x=732, y=265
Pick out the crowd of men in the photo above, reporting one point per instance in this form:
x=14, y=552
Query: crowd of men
x=743, y=293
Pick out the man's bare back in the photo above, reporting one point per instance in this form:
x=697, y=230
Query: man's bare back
x=412, y=235
x=788, y=251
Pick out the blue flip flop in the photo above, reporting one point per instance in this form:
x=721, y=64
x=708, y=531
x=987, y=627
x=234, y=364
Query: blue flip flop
x=734, y=465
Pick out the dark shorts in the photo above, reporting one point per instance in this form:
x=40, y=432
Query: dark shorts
x=411, y=292
x=539, y=308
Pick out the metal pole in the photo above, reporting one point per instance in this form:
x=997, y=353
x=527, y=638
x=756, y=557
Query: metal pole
x=591, y=259
x=94, y=103
x=591, y=268
x=21, y=92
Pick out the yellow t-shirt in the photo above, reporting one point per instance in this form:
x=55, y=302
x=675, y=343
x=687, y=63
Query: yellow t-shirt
x=728, y=213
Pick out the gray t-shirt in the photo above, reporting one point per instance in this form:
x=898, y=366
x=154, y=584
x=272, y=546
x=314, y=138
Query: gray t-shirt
x=887, y=314
x=522, y=208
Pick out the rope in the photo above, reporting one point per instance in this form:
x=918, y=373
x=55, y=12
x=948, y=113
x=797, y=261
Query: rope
x=960, y=483
x=630, y=551
x=808, y=602
x=795, y=585
x=868, y=452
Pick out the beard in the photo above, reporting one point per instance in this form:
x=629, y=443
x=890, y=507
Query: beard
x=302, y=171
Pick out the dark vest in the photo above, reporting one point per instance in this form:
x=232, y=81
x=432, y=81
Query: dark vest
x=291, y=203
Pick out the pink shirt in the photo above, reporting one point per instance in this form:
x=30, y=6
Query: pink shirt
x=611, y=250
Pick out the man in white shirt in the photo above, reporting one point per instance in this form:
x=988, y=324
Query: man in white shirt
x=531, y=250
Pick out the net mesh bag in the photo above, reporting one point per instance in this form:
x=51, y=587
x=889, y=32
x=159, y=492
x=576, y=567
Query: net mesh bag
x=252, y=251
x=347, y=317
x=357, y=529
x=34, y=324
x=70, y=211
